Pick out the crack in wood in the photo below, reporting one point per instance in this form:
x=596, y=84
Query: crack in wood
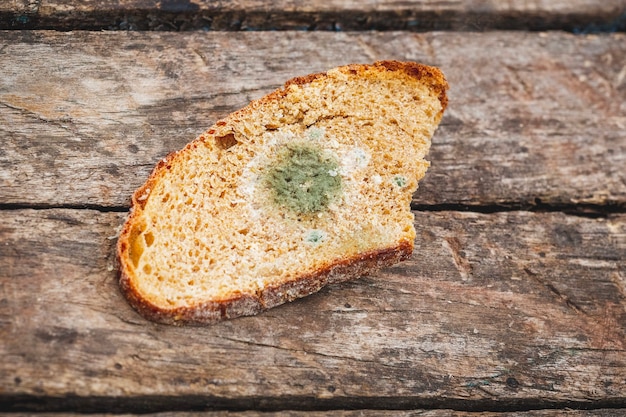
x=86, y=207
x=592, y=211
x=190, y=403
x=597, y=211
x=607, y=327
x=60, y=123
x=309, y=352
x=458, y=255
x=558, y=295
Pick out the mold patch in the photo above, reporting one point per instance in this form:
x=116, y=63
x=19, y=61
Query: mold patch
x=399, y=181
x=315, y=237
x=303, y=178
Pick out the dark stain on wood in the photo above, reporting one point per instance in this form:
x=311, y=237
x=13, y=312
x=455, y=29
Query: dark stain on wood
x=56, y=335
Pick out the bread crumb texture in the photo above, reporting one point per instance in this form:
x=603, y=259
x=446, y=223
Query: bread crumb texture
x=311, y=176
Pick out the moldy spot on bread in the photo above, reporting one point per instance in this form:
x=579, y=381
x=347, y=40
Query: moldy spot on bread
x=315, y=236
x=304, y=179
x=399, y=180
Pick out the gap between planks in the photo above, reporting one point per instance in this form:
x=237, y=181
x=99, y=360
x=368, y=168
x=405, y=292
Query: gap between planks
x=258, y=406
x=386, y=413
x=581, y=210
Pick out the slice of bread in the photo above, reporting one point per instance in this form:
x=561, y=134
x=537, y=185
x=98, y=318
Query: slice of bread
x=307, y=186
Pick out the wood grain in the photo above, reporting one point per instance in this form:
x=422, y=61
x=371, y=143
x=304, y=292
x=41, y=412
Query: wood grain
x=510, y=310
x=366, y=413
x=511, y=313
x=577, y=15
x=533, y=117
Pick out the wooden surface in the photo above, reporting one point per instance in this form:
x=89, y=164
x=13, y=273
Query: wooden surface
x=479, y=318
x=533, y=118
x=513, y=304
x=367, y=413
x=415, y=15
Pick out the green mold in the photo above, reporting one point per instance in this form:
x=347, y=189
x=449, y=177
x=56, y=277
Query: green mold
x=315, y=236
x=399, y=181
x=304, y=179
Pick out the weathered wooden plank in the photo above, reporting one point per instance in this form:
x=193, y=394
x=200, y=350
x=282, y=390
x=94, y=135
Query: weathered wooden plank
x=368, y=413
x=512, y=310
x=532, y=116
x=578, y=15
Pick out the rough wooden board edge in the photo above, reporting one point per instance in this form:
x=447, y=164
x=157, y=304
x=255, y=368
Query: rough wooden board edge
x=608, y=15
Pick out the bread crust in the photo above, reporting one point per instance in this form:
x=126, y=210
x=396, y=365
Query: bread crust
x=271, y=296
x=432, y=75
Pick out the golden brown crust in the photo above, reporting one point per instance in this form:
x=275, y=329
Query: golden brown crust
x=245, y=304
x=434, y=77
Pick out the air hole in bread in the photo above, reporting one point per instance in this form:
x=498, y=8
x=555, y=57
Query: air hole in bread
x=136, y=244
x=147, y=269
x=226, y=142
x=136, y=250
x=149, y=238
